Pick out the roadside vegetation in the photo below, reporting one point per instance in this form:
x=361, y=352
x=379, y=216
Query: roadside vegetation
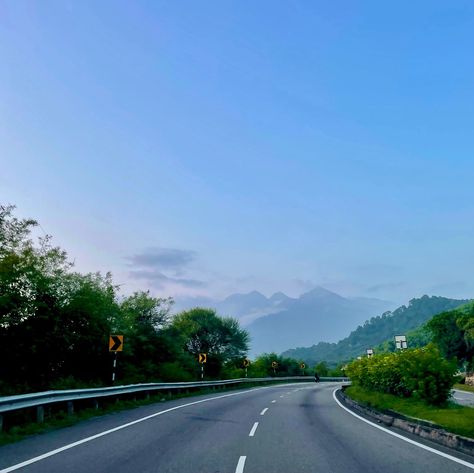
x=417, y=382
x=420, y=373
x=464, y=387
x=451, y=417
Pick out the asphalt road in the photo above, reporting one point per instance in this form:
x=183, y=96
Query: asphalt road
x=288, y=429
x=465, y=398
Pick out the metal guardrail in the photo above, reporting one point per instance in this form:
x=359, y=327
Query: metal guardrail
x=41, y=399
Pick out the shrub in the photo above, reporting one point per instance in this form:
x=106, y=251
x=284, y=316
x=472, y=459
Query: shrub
x=422, y=373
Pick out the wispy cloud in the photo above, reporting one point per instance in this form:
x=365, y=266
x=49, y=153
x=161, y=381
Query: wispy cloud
x=160, y=280
x=162, y=268
x=384, y=287
x=163, y=258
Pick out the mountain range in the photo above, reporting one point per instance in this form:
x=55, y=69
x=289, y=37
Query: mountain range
x=280, y=322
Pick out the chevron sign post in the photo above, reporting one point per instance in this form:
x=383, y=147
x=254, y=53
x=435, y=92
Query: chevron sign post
x=115, y=345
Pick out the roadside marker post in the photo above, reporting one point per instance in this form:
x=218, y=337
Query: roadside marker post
x=115, y=345
x=246, y=365
x=370, y=352
x=202, y=358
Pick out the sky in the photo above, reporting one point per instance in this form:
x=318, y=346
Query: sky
x=206, y=148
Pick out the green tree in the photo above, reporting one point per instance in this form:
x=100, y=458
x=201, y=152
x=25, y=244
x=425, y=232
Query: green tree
x=322, y=369
x=448, y=335
x=143, y=322
x=203, y=331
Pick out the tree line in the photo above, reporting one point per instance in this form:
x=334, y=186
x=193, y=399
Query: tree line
x=55, y=325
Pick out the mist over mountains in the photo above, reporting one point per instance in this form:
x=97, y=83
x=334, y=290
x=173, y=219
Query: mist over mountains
x=281, y=322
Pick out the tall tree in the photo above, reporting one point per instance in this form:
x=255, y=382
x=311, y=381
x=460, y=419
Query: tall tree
x=203, y=331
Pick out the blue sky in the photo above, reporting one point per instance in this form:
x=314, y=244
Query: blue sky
x=214, y=147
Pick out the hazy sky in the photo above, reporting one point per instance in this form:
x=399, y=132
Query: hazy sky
x=213, y=147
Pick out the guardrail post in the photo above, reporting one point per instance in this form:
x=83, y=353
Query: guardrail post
x=70, y=408
x=40, y=414
x=95, y=404
x=147, y=395
x=1, y=423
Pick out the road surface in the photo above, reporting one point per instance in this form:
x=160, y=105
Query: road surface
x=465, y=398
x=278, y=429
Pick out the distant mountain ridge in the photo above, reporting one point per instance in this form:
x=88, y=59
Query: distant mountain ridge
x=315, y=316
x=376, y=331
x=250, y=307
x=245, y=307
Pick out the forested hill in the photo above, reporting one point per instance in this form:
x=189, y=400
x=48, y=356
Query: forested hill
x=376, y=330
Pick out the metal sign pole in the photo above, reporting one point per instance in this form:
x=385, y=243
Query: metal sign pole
x=245, y=371
x=202, y=371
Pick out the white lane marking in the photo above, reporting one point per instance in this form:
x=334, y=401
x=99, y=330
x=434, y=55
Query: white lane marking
x=240, y=465
x=273, y=402
x=401, y=437
x=254, y=428
x=282, y=396
x=263, y=412
x=115, y=429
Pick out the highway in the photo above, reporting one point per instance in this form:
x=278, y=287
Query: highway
x=278, y=429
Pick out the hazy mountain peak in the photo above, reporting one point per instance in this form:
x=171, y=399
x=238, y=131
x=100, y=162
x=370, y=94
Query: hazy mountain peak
x=319, y=292
x=278, y=296
x=252, y=297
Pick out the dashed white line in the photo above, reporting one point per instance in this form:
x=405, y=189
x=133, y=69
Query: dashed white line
x=240, y=465
x=273, y=402
x=254, y=428
x=282, y=396
x=401, y=437
x=263, y=412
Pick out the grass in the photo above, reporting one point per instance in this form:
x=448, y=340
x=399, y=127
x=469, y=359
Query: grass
x=452, y=417
x=464, y=387
x=61, y=419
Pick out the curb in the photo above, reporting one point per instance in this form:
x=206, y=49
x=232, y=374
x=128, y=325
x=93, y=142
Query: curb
x=423, y=429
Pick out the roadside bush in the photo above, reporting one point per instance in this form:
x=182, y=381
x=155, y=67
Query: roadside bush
x=422, y=373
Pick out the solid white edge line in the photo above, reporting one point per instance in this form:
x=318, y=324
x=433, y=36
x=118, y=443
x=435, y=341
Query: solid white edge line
x=263, y=412
x=241, y=465
x=401, y=437
x=120, y=427
x=254, y=428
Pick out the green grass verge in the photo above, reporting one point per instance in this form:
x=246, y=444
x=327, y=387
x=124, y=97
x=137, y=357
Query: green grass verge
x=464, y=387
x=61, y=419
x=452, y=417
